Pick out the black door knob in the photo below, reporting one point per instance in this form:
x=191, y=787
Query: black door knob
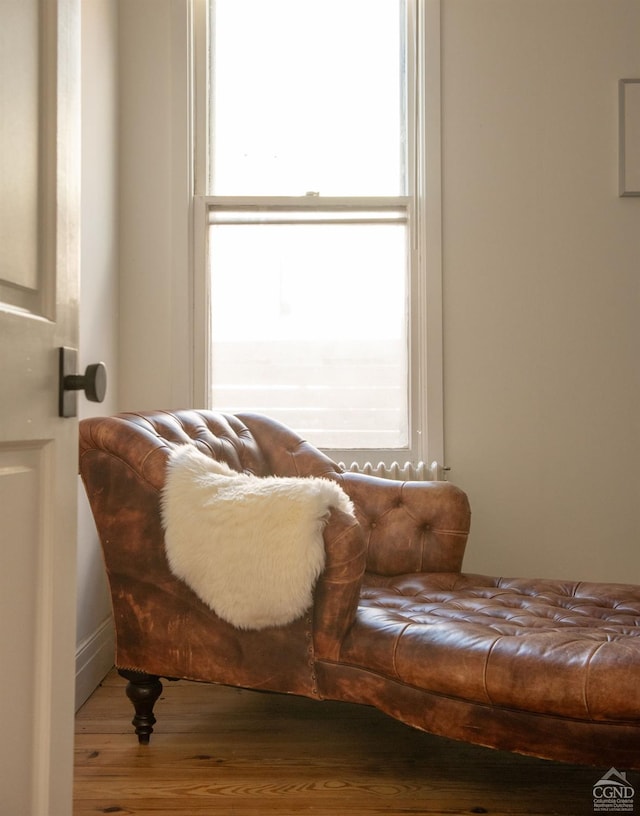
x=93, y=382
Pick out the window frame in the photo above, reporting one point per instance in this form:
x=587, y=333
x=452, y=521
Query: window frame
x=423, y=203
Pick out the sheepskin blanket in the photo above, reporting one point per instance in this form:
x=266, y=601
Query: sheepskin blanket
x=251, y=548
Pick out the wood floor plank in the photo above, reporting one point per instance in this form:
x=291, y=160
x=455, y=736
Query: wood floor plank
x=220, y=750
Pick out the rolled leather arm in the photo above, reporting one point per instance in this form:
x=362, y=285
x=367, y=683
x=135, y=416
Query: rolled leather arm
x=338, y=588
x=409, y=526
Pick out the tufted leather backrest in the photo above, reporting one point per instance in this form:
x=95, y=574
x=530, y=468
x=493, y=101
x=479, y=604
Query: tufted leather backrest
x=247, y=442
x=407, y=526
x=144, y=440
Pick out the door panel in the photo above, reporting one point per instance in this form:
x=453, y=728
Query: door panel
x=39, y=222
x=19, y=139
x=20, y=490
x=25, y=629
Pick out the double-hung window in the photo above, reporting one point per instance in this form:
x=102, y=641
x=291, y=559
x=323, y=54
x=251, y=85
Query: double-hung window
x=312, y=221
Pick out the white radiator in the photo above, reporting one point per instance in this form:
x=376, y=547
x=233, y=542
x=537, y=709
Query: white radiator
x=409, y=472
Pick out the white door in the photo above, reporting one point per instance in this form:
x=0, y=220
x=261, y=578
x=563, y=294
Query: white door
x=39, y=230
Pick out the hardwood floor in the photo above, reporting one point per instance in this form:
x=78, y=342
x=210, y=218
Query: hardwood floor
x=219, y=750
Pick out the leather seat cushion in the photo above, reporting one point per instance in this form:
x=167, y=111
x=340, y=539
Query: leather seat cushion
x=548, y=647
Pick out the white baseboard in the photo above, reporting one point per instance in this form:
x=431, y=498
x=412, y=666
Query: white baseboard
x=94, y=660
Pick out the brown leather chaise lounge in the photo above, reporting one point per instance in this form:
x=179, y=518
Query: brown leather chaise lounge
x=549, y=668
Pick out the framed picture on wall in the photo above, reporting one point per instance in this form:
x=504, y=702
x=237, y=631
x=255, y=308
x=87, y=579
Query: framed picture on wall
x=629, y=158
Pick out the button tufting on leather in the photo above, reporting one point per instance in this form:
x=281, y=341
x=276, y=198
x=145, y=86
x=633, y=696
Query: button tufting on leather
x=433, y=623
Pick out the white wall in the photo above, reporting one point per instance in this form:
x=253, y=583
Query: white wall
x=540, y=271
x=541, y=285
x=98, y=311
x=155, y=347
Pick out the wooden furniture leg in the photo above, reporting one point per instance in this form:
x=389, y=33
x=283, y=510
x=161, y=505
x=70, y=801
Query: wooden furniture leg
x=143, y=690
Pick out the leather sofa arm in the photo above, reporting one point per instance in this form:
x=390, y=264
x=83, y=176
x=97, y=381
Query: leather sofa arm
x=338, y=588
x=409, y=526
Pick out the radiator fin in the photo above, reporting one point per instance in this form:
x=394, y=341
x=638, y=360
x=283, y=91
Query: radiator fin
x=409, y=472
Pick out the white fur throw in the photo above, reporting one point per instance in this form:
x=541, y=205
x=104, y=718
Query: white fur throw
x=251, y=548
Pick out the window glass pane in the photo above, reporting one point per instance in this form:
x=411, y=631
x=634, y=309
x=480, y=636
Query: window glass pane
x=309, y=326
x=307, y=95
